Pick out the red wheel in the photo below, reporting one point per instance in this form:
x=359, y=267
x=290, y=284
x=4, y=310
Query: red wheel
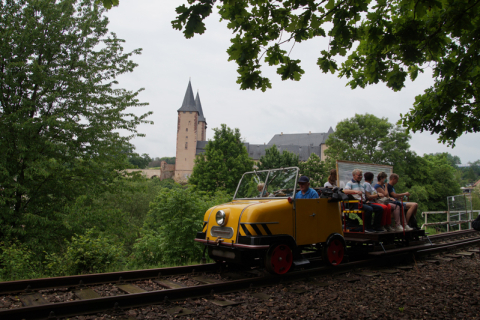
x=334, y=250
x=279, y=259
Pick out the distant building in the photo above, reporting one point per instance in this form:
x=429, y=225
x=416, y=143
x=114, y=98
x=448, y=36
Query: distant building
x=192, y=140
x=191, y=129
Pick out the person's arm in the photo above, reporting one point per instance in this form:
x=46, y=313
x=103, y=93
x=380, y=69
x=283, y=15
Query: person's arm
x=350, y=191
x=381, y=192
x=399, y=195
x=373, y=196
x=393, y=194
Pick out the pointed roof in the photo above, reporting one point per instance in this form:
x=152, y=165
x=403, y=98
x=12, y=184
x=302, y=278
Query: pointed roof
x=188, y=102
x=330, y=130
x=198, y=104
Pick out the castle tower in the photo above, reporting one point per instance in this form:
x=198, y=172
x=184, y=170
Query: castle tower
x=202, y=123
x=188, y=119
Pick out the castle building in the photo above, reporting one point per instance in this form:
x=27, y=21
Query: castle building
x=191, y=128
x=192, y=139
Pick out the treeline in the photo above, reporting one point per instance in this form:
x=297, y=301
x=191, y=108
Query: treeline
x=429, y=178
x=144, y=161
x=138, y=223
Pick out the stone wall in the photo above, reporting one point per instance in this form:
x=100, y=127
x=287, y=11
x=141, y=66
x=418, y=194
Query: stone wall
x=147, y=173
x=166, y=171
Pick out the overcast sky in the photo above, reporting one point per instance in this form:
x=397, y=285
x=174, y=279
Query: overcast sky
x=313, y=104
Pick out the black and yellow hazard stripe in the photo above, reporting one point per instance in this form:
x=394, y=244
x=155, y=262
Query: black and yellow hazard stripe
x=253, y=229
x=204, y=229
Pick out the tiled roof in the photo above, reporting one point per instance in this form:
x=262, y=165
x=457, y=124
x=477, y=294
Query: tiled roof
x=188, y=101
x=300, y=139
x=198, y=105
x=255, y=151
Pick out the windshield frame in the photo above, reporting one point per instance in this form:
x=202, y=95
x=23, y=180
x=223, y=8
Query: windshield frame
x=267, y=181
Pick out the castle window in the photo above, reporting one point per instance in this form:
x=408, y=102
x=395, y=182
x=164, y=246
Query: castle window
x=184, y=112
x=190, y=112
x=187, y=130
x=186, y=145
x=186, y=137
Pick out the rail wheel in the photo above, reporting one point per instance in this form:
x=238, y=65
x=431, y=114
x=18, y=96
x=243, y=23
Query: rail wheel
x=334, y=250
x=279, y=259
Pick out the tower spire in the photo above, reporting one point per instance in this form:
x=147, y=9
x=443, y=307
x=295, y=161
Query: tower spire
x=198, y=105
x=188, y=101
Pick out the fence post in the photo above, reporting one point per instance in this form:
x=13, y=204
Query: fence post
x=448, y=215
x=426, y=215
x=465, y=200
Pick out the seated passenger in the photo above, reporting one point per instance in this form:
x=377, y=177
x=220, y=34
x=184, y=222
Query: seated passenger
x=305, y=191
x=357, y=190
x=332, y=180
x=410, y=206
x=396, y=206
x=373, y=196
x=260, y=187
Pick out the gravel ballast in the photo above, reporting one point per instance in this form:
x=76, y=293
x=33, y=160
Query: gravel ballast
x=448, y=290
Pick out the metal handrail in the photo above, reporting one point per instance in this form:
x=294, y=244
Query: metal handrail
x=449, y=222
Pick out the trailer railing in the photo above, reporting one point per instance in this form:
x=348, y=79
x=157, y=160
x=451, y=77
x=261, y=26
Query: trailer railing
x=450, y=215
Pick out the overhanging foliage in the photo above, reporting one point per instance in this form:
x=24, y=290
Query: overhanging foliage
x=384, y=41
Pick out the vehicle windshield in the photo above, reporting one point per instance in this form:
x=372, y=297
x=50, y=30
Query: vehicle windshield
x=279, y=183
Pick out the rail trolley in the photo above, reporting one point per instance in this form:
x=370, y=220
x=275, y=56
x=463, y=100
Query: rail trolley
x=265, y=224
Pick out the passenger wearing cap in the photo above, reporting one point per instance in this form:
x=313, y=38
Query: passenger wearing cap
x=305, y=191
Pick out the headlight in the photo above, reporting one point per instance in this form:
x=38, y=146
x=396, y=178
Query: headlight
x=221, y=218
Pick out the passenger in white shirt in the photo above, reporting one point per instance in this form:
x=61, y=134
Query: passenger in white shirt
x=332, y=179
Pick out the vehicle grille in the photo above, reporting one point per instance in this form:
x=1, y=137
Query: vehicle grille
x=224, y=232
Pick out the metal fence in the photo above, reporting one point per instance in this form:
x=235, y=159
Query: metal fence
x=459, y=211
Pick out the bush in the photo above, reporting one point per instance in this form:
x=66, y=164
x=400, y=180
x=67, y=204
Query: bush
x=148, y=249
x=118, y=215
x=17, y=261
x=89, y=253
x=174, y=218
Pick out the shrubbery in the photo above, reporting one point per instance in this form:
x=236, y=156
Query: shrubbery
x=17, y=261
x=174, y=218
x=89, y=253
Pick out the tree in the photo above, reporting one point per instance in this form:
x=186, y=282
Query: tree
x=430, y=181
x=274, y=159
x=453, y=160
x=224, y=162
x=158, y=161
x=476, y=198
x=175, y=216
x=140, y=161
x=367, y=138
x=60, y=111
x=393, y=40
x=315, y=169
x=471, y=174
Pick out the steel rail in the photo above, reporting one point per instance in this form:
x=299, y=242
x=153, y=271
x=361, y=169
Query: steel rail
x=455, y=244
x=91, y=279
x=71, y=308
x=77, y=307
x=450, y=234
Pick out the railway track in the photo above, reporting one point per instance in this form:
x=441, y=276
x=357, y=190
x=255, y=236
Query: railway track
x=130, y=294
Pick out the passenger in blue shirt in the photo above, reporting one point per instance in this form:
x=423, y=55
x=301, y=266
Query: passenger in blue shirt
x=305, y=191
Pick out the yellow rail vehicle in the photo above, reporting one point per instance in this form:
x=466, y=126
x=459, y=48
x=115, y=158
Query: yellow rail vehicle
x=266, y=224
